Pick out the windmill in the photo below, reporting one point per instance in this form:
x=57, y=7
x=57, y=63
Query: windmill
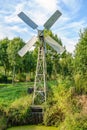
x=40, y=77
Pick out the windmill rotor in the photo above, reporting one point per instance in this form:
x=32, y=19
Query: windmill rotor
x=48, y=40
x=40, y=76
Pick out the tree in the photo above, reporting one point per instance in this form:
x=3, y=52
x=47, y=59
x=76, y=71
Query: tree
x=80, y=63
x=81, y=54
x=29, y=63
x=14, y=59
x=3, y=54
x=66, y=64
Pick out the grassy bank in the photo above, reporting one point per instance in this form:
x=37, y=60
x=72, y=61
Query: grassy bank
x=9, y=93
x=15, y=105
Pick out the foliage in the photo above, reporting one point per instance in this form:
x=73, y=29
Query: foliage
x=80, y=83
x=29, y=62
x=3, y=120
x=18, y=113
x=66, y=64
x=33, y=127
x=13, y=48
x=81, y=53
x=74, y=122
x=20, y=77
x=3, y=54
x=53, y=116
x=57, y=103
x=3, y=123
x=80, y=63
x=3, y=79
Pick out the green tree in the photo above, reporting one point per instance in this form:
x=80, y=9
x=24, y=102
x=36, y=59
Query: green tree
x=3, y=54
x=66, y=64
x=81, y=54
x=29, y=64
x=14, y=59
x=80, y=63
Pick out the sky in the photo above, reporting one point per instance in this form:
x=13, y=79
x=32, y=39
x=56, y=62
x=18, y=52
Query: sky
x=67, y=27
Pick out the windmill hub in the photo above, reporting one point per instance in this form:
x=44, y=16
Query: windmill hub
x=41, y=36
x=39, y=95
x=40, y=32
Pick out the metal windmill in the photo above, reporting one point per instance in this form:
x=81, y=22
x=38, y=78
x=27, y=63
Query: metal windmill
x=40, y=77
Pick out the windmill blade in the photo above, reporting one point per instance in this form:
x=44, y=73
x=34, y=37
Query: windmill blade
x=27, y=20
x=55, y=45
x=28, y=46
x=52, y=19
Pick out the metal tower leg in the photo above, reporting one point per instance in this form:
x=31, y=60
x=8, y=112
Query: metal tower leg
x=39, y=95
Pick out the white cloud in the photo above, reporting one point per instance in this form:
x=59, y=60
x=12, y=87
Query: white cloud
x=18, y=29
x=39, y=11
x=69, y=43
x=75, y=26
x=13, y=18
x=38, y=17
x=73, y=5
x=20, y=7
x=48, y=5
x=10, y=31
x=5, y=32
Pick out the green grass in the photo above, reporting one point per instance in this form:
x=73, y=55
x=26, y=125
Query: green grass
x=33, y=128
x=9, y=93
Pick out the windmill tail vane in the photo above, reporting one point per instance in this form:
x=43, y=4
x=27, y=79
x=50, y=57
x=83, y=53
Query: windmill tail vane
x=40, y=87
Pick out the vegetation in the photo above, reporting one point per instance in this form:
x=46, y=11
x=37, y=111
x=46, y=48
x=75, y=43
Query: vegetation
x=33, y=128
x=66, y=106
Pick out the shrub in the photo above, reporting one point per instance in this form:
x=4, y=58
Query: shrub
x=3, y=79
x=53, y=116
x=21, y=77
x=18, y=111
x=81, y=83
x=3, y=120
x=74, y=122
x=3, y=123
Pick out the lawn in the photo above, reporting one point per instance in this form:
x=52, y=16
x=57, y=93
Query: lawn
x=33, y=128
x=9, y=93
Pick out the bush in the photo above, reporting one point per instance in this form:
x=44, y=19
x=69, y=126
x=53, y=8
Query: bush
x=18, y=116
x=19, y=111
x=3, y=123
x=3, y=79
x=53, y=116
x=74, y=122
x=81, y=83
x=3, y=120
x=21, y=77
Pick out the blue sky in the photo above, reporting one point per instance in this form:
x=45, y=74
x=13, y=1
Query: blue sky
x=67, y=27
